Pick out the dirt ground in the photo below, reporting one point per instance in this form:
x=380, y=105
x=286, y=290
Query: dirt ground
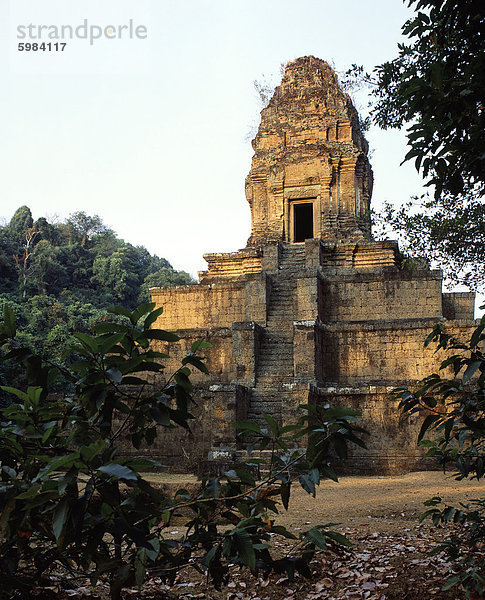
x=389, y=559
x=387, y=504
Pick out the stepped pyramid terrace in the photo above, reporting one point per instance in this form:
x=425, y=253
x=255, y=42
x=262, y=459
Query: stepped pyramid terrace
x=312, y=309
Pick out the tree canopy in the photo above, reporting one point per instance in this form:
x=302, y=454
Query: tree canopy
x=61, y=277
x=81, y=257
x=436, y=84
x=436, y=87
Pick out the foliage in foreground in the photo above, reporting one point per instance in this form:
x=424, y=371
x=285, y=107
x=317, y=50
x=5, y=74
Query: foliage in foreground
x=70, y=500
x=455, y=419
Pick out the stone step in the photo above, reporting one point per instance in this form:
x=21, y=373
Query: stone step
x=273, y=369
x=279, y=297
x=267, y=357
x=275, y=365
x=287, y=299
x=280, y=307
x=271, y=380
x=274, y=375
x=282, y=285
x=276, y=346
x=276, y=338
x=268, y=405
x=274, y=349
x=281, y=326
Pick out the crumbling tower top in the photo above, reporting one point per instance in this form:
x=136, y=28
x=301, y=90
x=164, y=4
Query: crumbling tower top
x=310, y=175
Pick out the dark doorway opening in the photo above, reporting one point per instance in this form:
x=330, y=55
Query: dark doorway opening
x=303, y=221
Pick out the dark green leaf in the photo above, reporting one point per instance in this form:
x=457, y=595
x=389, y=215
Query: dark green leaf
x=108, y=327
x=316, y=537
x=59, y=518
x=247, y=426
x=471, y=370
x=272, y=424
x=159, y=334
x=199, y=345
x=285, y=493
x=119, y=310
x=338, y=537
x=119, y=471
x=152, y=317
x=244, y=547
x=428, y=421
x=140, y=311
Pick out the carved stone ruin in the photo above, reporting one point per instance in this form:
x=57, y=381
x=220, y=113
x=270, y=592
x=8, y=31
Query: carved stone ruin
x=313, y=309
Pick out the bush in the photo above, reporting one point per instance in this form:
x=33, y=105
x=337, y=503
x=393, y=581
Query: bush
x=455, y=418
x=70, y=500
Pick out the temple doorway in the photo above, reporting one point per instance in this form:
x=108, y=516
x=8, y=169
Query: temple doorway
x=302, y=217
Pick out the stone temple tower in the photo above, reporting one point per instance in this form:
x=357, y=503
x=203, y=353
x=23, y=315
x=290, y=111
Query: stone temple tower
x=313, y=309
x=310, y=176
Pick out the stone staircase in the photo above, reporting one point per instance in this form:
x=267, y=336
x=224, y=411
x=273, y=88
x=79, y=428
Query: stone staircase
x=274, y=362
x=292, y=257
x=275, y=358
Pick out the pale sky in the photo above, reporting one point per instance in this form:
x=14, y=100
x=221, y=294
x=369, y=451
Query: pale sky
x=151, y=133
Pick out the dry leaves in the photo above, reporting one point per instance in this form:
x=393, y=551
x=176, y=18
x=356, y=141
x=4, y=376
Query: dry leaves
x=380, y=567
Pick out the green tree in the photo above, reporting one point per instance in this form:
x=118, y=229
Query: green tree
x=21, y=221
x=24, y=260
x=162, y=278
x=118, y=275
x=450, y=233
x=82, y=226
x=49, y=275
x=436, y=87
x=46, y=265
x=8, y=270
x=47, y=231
